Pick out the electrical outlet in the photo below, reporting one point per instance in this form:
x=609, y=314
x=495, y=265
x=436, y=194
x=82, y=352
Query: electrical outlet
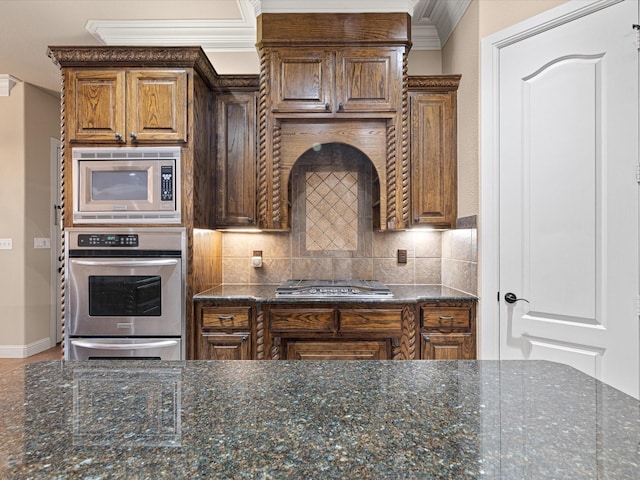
x=256, y=259
x=402, y=256
x=6, y=243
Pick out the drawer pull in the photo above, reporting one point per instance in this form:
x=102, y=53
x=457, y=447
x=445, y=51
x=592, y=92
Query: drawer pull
x=443, y=317
x=225, y=317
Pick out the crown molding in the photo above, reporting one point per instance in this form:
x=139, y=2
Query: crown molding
x=333, y=6
x=444, y=15
x=7, y=82
x=211, y=35
x=432, y=23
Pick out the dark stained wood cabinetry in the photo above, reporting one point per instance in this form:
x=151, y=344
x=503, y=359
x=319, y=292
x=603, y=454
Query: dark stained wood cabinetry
x=322, y=77
x=345, y=350
x=235, y=172
x=223, y=332
x=343, y=331
x=164, y=96
x=330, y=81
x=433, y=111
x=128, y=106
x=447, y=331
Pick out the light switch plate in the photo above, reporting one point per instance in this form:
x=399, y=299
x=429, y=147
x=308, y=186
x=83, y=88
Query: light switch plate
x=40, y=242
x=6, y=243
x=402, y=256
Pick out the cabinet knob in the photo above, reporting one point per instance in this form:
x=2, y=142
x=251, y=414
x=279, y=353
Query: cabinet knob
x=416, y=220
x=327, y=107
x=117, y=136
x=341, y=106
x=245, y=338
x=133, y=136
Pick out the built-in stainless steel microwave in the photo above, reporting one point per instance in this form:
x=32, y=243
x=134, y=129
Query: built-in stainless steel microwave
x=126, y=185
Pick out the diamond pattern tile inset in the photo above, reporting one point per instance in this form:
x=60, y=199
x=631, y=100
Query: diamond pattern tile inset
x=332, y=211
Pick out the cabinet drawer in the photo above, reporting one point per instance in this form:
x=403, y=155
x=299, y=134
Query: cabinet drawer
x=370, y=320
x=448, y=317
x=301, y=320
x=226, y=317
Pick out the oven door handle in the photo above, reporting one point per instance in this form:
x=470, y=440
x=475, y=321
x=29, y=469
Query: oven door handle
x=127, y=263
x=123, y=346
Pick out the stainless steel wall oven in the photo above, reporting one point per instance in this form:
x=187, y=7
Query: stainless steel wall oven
x=125, y=293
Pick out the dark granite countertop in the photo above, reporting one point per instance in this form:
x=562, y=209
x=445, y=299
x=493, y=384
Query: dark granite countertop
x=401, y=294
x=314, y=420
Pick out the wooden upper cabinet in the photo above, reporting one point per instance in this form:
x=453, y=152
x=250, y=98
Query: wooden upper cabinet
x=368, y=79
x=432, y=103
x=127, y=106
x=97, y=105
x=302, y=80
x=235, y=175
x=342, y=80
x=157, y=105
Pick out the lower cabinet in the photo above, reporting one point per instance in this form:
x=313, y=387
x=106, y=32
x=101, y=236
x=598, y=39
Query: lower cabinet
x=225, y=346
x=447, y=331
x=223, y=331
x=355, y=350
x=447, y=346
x=247, y=330
x=338, y=332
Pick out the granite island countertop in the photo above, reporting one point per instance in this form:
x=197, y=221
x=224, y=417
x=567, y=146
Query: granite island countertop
x=314, y=420
x=266, y=293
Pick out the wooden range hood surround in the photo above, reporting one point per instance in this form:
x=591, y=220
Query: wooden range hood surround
x=333, y=78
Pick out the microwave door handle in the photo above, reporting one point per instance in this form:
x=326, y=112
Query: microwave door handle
x=123, y=346
x=127, y=263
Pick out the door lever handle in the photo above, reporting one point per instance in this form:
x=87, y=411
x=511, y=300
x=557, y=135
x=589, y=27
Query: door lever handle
x=512, y=298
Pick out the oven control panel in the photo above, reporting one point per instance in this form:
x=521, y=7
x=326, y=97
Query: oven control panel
x=108, y=240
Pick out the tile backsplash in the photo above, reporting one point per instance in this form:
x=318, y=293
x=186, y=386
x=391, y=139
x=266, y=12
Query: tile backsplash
x=433, y=257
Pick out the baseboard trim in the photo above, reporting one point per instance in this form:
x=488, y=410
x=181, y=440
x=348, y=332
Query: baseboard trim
x=24, y=351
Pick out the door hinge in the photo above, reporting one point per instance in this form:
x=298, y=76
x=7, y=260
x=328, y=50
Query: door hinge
x=638, y=173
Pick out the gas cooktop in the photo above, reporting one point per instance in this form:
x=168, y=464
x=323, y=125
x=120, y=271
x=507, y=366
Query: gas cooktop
x=334, y=288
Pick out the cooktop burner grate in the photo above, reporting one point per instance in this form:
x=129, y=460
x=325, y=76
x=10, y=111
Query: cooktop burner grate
x=334, y=288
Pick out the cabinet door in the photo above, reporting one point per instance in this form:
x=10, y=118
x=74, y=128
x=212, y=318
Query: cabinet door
x=225, y=346
x=433, y=159
x=447, y=346
x=236, y=160
x=302, y=80
x=96, y=106
x=368, y=80
x=337, y=350
x=157, y=106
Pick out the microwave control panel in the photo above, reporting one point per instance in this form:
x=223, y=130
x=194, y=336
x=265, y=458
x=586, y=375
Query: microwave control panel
x=166, y=180
x=107, y=240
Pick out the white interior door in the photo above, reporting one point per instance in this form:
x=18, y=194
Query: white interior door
x=568, y=195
